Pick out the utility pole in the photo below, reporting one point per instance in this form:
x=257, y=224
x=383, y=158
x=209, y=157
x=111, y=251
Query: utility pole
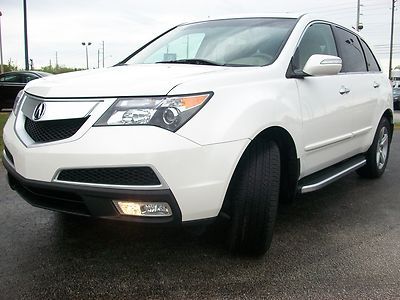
x=1, y=50
x=103, y=54
x=358, y=15
x=56, y=60
x=26, y=38
x=87, y=54
x=98, y=58
x=391, y=40
x=187, y=46
x=359, y=25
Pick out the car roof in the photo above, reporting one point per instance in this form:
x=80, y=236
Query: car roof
x=304, y=17
x=247, y=16
x=39, y=73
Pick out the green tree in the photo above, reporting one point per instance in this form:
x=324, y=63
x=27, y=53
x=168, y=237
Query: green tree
x=58, y=69
x=10, y=66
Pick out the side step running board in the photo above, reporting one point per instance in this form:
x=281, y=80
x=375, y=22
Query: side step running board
x=325, y=177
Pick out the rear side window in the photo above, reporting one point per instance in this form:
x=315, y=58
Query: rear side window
x=318, y=39
x=371, y=61
x=350, y=51
x=28, y=77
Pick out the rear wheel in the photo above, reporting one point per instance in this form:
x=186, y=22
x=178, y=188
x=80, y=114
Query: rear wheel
x=253, y=196
x=378, y=154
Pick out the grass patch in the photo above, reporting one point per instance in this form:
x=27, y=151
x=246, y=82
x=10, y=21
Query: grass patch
x=3, y=119
x=397, y=125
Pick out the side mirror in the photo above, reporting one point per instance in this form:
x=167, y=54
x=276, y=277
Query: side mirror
x=320, y=65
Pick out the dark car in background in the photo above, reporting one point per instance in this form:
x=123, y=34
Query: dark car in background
x=12, y=82
x=396, y=98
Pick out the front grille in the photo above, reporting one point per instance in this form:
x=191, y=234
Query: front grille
x=54, y=130
x=9, y=155
x=133, y=176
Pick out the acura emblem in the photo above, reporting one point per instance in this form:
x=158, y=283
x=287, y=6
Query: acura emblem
x=39, y=111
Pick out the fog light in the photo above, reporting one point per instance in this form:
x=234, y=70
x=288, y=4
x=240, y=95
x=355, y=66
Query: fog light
x=143, y=209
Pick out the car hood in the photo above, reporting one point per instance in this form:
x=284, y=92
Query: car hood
x=127, y=80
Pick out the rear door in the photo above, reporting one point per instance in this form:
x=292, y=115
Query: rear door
x=380, y=81
x=363, y=86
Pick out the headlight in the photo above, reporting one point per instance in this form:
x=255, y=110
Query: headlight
x=17, y=102
x=169, y=112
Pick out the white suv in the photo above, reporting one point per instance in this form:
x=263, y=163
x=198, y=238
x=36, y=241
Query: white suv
x=225, y=117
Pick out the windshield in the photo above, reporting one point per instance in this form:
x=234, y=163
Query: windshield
x=232, y=42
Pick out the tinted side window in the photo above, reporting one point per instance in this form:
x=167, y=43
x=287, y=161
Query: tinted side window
x=318, y=39
x=28, y=77
x=371, y=61
x=350, y=51
x=15, y=78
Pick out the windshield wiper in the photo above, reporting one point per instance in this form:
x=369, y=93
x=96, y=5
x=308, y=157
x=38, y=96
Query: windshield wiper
x=193, y=61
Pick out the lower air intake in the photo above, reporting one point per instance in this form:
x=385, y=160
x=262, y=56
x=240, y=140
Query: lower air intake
x=130, y=176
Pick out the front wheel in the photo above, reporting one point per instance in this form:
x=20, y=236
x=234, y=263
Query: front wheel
x=253, y=196
x=378, y=154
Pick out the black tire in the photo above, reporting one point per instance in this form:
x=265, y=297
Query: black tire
x=373, y=168
x=253, y=196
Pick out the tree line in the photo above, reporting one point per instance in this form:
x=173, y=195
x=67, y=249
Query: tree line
x=10, y=66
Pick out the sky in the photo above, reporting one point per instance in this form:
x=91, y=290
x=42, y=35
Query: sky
x=124, y=25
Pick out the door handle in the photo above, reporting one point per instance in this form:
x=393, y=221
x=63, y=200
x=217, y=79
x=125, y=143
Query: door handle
x=376, y=85
x=343, y=90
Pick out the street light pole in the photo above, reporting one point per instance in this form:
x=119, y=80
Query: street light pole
x=26, y=38
x=358, y=15
x=87, y=54
x=391, y=40
x=1, y=50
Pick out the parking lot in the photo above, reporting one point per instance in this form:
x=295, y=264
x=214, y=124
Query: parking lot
x=340, y=242
x=397, y=116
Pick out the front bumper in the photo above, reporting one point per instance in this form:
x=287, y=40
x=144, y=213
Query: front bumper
x=195, y=177
x=88, y=201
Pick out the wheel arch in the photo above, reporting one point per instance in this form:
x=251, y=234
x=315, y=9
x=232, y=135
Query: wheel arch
x=389, y=115
x=290, y=164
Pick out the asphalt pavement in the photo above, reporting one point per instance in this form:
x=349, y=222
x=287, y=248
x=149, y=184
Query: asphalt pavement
x=342, y=242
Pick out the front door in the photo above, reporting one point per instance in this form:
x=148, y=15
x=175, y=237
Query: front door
x=325, y=101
